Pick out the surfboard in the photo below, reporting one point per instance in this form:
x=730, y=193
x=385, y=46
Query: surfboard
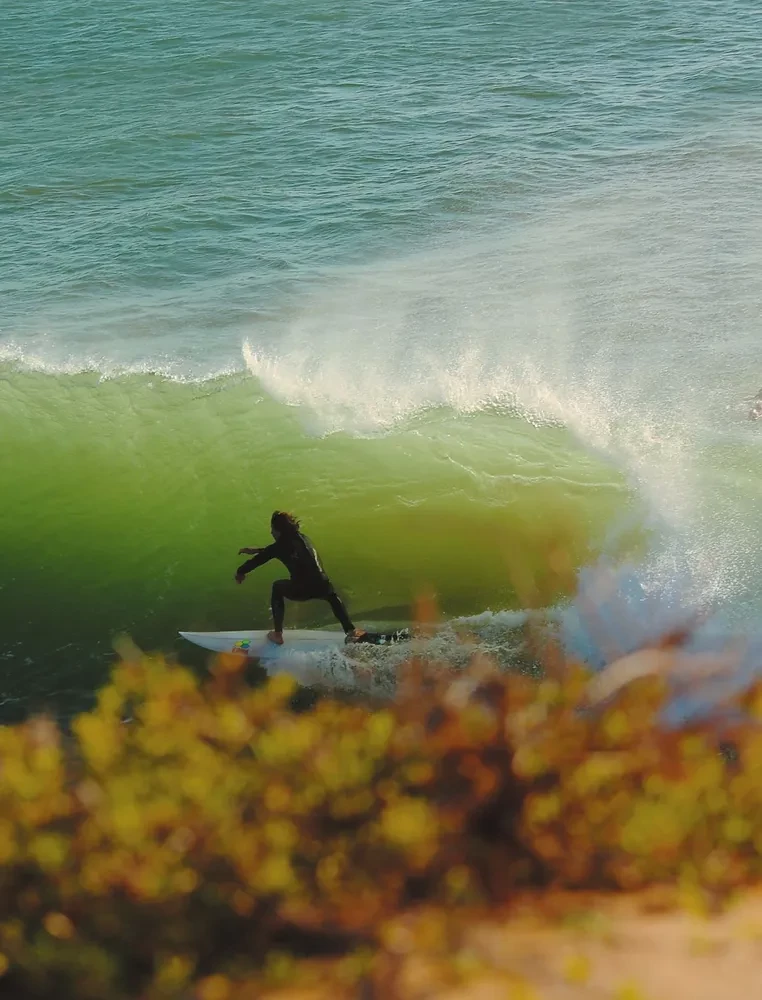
x=256, y=644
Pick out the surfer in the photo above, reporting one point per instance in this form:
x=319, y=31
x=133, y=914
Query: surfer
x=308, y=580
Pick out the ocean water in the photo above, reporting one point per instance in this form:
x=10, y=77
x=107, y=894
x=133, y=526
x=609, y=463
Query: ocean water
x=457, y=282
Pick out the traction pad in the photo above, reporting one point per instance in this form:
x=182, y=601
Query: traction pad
x=381, y=638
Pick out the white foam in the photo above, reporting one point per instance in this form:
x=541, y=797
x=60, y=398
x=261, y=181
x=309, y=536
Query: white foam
x=56, y=363
x=588, y=317
x=375, y=670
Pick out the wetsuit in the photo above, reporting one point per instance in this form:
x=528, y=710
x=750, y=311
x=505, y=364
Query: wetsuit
x=308, y=582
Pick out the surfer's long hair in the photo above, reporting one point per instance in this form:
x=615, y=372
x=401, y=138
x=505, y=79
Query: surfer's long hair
x=284, y=522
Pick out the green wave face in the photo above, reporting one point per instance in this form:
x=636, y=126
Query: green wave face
x=128, y=500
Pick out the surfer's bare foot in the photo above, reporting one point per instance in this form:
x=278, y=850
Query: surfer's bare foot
x=356, y=635
x=276, y=637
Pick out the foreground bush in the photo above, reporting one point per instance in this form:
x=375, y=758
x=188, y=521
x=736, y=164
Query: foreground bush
x=204, y=840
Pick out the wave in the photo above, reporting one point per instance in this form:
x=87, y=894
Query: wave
x=35, y=355
x=437, y=419
x=130, y=497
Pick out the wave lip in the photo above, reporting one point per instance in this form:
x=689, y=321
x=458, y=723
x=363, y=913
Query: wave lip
x=366, y=395
x=54, y=362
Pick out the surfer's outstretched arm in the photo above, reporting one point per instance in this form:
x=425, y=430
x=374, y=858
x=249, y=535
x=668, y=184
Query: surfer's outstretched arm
x=263, y=556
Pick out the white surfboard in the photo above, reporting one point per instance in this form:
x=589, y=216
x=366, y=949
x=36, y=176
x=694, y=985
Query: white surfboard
x=256, y=644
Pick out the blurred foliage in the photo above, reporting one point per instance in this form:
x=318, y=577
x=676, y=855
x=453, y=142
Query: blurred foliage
x=203, y=839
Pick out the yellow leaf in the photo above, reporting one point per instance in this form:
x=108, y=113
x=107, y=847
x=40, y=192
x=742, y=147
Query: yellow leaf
x=49, y=850
x=577, y=969
x=214, y=988
x=58, y=926
x=408, y=822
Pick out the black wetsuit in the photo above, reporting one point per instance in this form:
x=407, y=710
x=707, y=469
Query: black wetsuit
x=308, y=582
